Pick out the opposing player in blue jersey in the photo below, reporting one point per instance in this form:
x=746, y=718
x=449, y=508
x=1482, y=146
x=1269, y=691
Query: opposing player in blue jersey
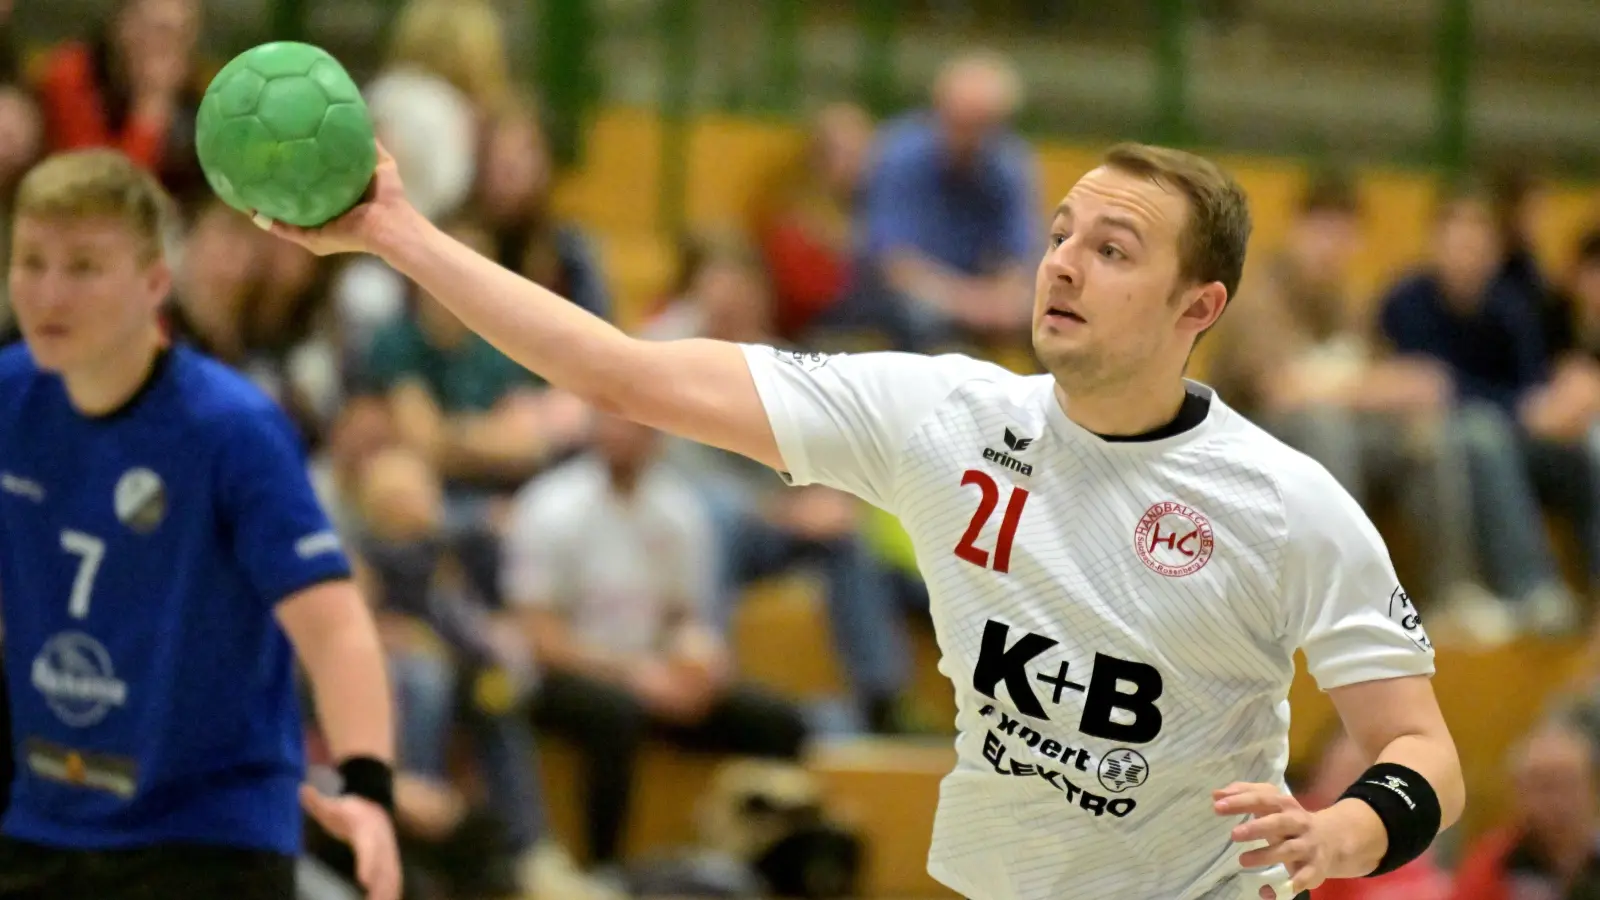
x=160, y=552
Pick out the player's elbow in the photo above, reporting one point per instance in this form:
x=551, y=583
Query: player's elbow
x=1443, y=772
x=1453, y=793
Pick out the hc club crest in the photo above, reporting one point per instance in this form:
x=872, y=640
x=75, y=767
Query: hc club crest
x=1173, y=540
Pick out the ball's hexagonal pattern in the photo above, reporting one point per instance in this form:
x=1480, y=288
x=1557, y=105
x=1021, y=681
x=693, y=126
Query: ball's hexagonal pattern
x=292, y=108
x=283, y=131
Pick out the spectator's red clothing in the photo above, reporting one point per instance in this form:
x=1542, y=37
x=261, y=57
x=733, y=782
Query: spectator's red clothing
x=1421, y=879
x=77, y=112
x=1482, y=874
x=808, y=273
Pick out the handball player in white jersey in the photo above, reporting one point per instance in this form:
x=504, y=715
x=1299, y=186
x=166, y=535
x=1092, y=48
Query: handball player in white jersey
x=1121, y=567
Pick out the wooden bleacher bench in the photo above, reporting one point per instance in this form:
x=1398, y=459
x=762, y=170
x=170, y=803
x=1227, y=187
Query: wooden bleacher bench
x=886, y=789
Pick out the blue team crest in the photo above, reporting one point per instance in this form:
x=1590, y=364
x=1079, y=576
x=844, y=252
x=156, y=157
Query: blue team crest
x=140, y=500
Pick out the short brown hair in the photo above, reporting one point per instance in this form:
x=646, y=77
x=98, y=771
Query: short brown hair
x=98, y=183
x=1212, y=245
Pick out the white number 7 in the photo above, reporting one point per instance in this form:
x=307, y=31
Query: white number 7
x=91, y=550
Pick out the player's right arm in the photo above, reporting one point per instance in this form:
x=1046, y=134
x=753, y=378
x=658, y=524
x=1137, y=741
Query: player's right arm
x=840, y=423
x=698, y=389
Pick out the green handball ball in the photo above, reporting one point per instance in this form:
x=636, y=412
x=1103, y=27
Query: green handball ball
x=283, y=131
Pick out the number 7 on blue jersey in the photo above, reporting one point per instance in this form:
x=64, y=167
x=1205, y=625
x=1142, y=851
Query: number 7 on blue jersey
x=90, y=550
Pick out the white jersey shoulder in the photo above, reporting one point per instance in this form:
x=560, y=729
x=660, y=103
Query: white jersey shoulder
x=1119, y=618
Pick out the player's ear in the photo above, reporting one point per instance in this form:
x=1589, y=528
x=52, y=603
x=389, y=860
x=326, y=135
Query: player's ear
x=158, y=279
x=1203, y=306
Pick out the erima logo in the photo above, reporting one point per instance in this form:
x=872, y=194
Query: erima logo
x=1016, y=445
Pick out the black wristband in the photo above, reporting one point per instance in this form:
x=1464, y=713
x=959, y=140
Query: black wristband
x=1408, y=807
x=369, y=778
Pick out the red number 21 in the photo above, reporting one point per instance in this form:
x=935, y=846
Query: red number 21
x=967, y=549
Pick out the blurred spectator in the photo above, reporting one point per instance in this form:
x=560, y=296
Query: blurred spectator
x=1524, y=424
x=261, y=306
x=1517, y=197
x=513, y=199
x=453, y=657
x=803, y=222
x=482, y=421
x=950, y=218
x=1572, y=325
x=136, y=87
x=21, y=138
x=445, y=73
x=1339, y=764
x=766, y=528
x=10, y=61
x=1551, y=846
x=361, y=431
x=1293, y=352
x=460, y=41
x=611, y=559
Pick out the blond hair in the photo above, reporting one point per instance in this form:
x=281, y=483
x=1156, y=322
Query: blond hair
x=459, y=41
x=89, y=183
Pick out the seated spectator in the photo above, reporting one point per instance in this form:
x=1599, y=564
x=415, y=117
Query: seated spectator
x=766, y=528
x=610, y=559
x=445, y=73
x=135, y=87
x=1516, y=198
x=261, y=306
x=483, y=422
x=803, y=222
x=1572, y=324
x=1291, y=354
x=21, y=139
x=361, y=431
x=1551, y=845
x=454, y=655
x=1338, y=765
x=948, y=226
x=513, y=199
x=1523, y=422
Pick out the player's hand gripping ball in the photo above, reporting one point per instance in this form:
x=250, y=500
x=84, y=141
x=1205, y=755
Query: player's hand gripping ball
x=283, y=131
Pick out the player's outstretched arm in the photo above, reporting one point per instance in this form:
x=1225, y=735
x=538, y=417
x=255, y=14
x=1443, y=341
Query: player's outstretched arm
x=699, y=389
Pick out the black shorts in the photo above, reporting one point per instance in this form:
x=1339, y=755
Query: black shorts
x=161, y=872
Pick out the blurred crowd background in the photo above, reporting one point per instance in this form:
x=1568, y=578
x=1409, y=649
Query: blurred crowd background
x=613, y=650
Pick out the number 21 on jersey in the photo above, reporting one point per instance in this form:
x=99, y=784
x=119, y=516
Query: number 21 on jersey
x=967, y=548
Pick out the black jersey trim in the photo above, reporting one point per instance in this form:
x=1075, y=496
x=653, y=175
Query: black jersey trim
x=158, y=368
x=1194, y=410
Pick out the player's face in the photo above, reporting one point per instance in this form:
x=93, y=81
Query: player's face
x=83, y=290
x=1107, y=298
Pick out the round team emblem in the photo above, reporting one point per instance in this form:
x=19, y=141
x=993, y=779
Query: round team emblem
x=1122, y=769
x=1174, y=540
x=140, y=500
x=73, y=672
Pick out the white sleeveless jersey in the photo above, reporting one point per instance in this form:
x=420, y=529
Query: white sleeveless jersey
x=1119, y=618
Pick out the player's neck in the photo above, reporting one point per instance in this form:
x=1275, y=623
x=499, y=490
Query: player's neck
x=111, y=382
x=1130, y=408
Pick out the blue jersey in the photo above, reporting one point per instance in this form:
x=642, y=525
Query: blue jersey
x=141, y=556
